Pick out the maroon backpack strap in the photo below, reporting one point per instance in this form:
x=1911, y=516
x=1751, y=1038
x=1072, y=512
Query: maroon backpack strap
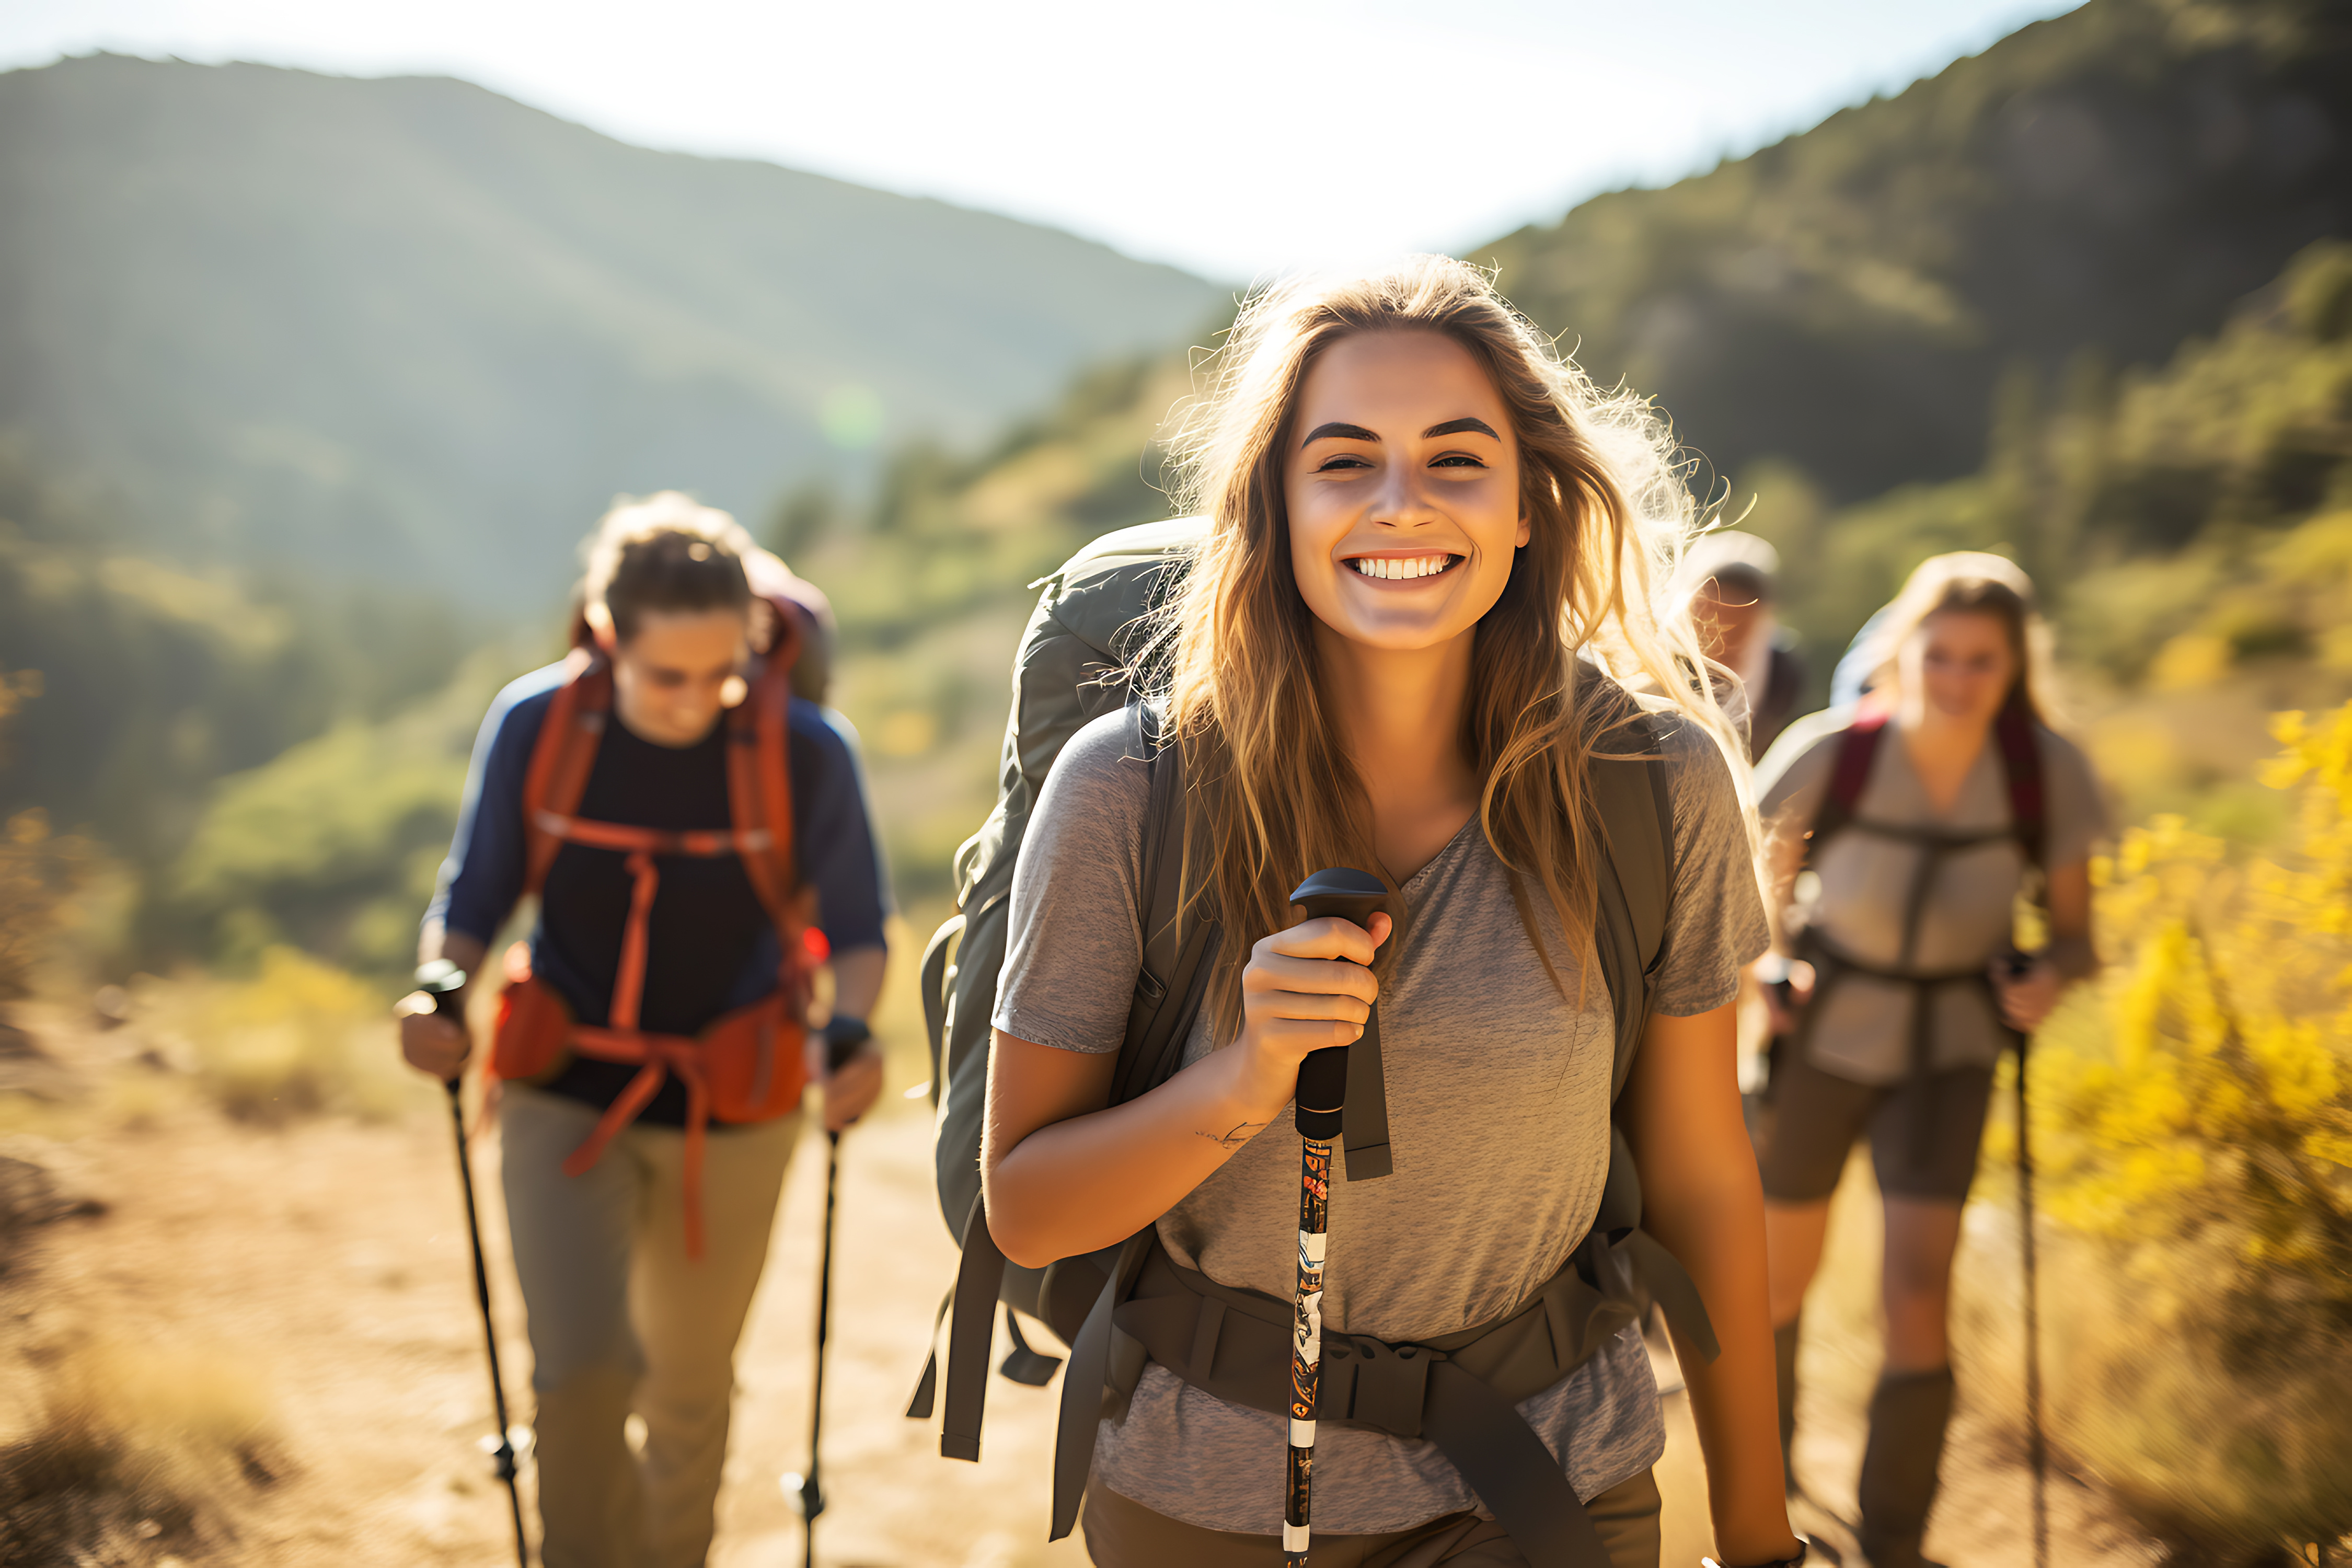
x=1849, y=776
x=2020, y=761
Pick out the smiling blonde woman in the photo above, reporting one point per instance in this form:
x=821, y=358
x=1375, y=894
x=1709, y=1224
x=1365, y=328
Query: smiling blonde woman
x=1421, y=520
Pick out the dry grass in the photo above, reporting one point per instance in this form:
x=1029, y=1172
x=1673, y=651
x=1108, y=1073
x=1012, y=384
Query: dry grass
x=134, y=1452
x=300, y=1038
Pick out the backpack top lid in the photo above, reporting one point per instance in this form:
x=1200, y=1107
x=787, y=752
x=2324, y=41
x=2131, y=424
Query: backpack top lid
x=1074, y=665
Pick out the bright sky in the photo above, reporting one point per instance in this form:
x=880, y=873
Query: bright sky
x=1232, y=137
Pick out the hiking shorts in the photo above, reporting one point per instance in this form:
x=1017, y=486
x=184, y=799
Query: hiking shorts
x=1924, y=1131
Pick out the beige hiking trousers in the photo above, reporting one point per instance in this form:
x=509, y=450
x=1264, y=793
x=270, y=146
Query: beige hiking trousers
x=622, y=1321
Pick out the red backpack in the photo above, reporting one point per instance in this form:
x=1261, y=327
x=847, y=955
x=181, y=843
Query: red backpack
x=744, y=1067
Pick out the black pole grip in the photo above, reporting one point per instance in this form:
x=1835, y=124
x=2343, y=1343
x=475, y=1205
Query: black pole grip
x=446, y=984
x=843, y=1036
x=1349, y=895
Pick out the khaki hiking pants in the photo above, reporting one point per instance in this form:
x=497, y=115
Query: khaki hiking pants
x=621, y=1321
x=1123, y=1533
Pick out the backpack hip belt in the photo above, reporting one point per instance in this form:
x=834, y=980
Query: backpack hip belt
x=1459, y=1391
x=1831, y=964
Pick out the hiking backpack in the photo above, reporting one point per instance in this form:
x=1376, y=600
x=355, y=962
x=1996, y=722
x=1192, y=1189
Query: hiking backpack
x=1857, y=750
x=744, y=1067
x=1087, y=652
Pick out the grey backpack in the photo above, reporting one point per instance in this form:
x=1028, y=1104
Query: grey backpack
x=1086, y=651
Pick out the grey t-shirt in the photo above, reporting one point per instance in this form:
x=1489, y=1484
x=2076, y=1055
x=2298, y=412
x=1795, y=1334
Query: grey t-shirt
x=1498, y=1113
x=1862, y=1031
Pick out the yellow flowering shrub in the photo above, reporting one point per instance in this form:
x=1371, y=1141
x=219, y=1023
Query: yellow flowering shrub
x=2194, y=1124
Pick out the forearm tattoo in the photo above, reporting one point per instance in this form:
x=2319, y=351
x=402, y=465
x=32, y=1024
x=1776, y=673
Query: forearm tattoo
x=1241, y=1134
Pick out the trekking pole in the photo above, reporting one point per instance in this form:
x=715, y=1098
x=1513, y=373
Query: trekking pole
x=2037, y=1453
x=812, y=1492
x=444, y=983
x=1322, y=1092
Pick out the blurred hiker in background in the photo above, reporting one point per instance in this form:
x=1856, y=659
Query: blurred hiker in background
x=1896, y=985
x=690, y=822
x=1732, y=576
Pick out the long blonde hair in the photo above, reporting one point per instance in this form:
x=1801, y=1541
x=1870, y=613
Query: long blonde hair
x=1275, y=794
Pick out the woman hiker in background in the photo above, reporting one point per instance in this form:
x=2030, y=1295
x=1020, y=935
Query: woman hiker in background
x=668, y=956
x=1923, y=818
x=1418, y=517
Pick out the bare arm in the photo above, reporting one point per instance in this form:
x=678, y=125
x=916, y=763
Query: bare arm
x=1784, y=855
x=857, y=980
x=1064, y=1174
x=1701, y=1198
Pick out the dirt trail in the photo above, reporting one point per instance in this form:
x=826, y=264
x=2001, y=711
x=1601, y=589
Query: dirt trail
x=330, y=1259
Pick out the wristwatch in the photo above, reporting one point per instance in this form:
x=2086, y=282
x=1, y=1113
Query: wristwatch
x=1804, y=1554
x=842, y=1031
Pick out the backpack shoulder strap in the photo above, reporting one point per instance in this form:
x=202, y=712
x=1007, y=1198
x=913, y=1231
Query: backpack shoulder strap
x=1633, y=804
x=1849, y=776
x=759, y=777
x=1178, y=943
x=2020, y=762
x=563, y=758
x=1632, y=798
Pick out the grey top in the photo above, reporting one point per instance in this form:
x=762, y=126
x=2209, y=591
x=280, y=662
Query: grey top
x=1498, y=1113
x=1862, y=1029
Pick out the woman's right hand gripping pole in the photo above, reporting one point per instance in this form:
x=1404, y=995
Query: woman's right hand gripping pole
x=1065, y=1173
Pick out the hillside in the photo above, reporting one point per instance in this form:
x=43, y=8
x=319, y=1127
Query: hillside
x=408, y=329
x=2107, y=183
x=2131, y=422
x=1840, y=308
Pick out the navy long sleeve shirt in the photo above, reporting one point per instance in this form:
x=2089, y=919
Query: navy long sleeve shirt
x=710, y=947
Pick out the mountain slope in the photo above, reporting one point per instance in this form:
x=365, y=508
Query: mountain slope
x=2108, y=182
x=409, y=328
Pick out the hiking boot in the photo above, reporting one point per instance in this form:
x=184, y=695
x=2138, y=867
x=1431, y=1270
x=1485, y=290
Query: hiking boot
x=1907, y=1416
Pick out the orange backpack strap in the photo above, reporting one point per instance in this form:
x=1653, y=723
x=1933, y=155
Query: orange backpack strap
x=759, y=775
x=563, y=759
